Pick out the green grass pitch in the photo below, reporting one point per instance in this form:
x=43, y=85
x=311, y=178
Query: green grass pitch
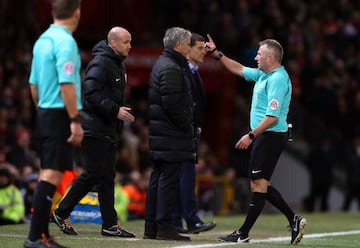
x=334, y=229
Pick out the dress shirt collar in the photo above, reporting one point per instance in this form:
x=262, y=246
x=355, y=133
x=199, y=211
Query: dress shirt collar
x=193, y=68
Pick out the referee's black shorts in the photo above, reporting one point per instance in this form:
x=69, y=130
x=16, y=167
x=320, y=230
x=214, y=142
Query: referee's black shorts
x=54, y=129
x=265, y=153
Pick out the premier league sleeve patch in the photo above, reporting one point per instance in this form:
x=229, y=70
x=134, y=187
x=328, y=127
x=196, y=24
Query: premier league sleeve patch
x=274, y=104
x=69, y=68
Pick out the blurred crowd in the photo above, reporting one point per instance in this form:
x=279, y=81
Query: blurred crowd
x=322, y=54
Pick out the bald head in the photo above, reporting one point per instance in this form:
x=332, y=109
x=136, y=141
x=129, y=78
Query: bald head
x=116, y=32
x=119, y=39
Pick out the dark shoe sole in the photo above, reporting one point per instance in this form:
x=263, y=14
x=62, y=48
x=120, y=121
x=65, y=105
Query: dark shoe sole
x=149, y=237
x=117, y=235
x=203, y=228
x=186, y=239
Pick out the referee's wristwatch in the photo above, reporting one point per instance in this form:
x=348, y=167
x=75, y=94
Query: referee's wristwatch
x=251, y=135
x=75, y=119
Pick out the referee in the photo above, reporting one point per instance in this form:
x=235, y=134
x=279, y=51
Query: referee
x=55, y=89
x=268, y=135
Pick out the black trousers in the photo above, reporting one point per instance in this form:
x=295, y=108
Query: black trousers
x=99, y=164
x=162, y=187
x=185, y=205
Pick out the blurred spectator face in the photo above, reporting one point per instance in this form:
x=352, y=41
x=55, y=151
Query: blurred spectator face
x=138, y=180
x=4, y=113
x=27, y=171
x=3, y=122
x=31, y=181
x=23, y=138
x=4, y=180
x=2, y=156
x=8, y=95
x=32, y=185
x=143, y=183
x=4, y=177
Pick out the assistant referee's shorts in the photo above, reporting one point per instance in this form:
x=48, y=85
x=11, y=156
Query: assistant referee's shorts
x=265, y=153
x=54, y=130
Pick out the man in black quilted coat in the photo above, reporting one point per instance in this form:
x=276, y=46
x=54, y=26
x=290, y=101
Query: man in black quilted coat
x=171, y=132
x=102, y=118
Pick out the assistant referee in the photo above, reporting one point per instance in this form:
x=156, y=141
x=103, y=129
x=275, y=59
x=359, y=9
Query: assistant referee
x=55, y=89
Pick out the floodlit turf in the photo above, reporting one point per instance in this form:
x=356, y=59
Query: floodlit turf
x=323, y=230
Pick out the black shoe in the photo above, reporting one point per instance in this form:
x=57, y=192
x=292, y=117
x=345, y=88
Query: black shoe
x=36, y=244
x=53, y=244
x=201, y=227
x=235, y=236
x=116, y=231
x=180, y=229
x=149, y=235
x=42, y=243
x=171, y=235
x=64, y=224
x=297, y=229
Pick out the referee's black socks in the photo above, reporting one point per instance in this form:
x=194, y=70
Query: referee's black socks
x=275, y=198
x=256, y=205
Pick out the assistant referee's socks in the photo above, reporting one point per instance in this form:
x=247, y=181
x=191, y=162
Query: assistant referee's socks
x=41, y=204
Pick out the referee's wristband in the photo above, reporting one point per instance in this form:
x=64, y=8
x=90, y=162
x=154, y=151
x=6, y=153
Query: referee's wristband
x=219, y=56
x=212, y=51
x=76, y=118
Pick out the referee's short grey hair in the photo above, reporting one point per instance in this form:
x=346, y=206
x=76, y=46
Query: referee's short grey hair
x=174, y=35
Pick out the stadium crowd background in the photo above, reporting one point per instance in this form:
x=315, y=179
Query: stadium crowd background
x=322, y=54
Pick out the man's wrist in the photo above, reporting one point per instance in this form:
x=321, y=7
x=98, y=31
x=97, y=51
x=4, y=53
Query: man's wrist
x=219, y=56
x=75, y=118
x=251, y=135
x=212, y=51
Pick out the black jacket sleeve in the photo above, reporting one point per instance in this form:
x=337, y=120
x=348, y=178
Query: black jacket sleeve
x=94, y=91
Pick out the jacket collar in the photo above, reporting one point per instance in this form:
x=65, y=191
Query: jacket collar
x=179, y=58
x=103, y=49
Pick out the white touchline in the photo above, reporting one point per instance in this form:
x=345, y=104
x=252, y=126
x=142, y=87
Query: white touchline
x=275, y=239
x=210, y=245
